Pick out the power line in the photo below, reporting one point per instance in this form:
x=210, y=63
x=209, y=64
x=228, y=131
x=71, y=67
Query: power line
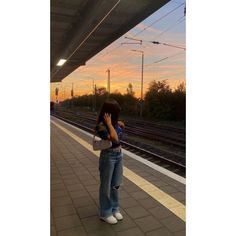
x=176, y=2
x=182, y=21
x=168, y=76
x=172, y=26
x=125, y=73
x=146, y=65
x=126, y=67
x=156, y=42
x=116, y=74
x=155, y=62
x=174, y=46
x=181, y=18
x=159, y=19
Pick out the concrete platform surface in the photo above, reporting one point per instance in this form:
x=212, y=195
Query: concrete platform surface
x=74, y=193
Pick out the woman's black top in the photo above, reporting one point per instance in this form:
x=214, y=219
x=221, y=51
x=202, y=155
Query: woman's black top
x=103, y=132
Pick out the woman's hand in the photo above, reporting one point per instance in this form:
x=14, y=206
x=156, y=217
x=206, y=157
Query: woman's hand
x=107, y=119
x=113, y=135
x=121, y=124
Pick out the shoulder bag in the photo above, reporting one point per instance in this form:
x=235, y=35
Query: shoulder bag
x=100, y=144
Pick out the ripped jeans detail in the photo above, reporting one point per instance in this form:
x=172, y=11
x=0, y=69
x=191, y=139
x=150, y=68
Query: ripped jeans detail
x=111, y=171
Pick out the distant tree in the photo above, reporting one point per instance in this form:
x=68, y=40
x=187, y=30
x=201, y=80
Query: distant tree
x=181, y=87
x=179, y=98
x=101, y=91
x=130, y=90
x=118, y=97
x=158, y=100
x=159, y=87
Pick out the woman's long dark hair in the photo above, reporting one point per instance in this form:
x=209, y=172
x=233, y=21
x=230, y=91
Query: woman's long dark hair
x=112, y=107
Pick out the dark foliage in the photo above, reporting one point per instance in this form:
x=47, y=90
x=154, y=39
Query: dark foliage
x=160, y=102
x=164, y=104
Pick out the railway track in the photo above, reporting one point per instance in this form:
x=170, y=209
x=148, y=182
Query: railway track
x=166, y=162
x=149, y=130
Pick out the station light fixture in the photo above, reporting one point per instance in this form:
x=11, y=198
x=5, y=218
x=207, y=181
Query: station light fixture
x=61, y=62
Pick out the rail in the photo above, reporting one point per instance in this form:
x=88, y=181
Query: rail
x=171, y=165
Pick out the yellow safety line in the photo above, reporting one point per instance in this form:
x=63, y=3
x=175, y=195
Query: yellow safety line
x=166, y=200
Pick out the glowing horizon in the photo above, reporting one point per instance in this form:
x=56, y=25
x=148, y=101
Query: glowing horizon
x=125, y=65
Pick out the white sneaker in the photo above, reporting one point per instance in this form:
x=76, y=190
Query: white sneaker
x=110, y=219
x=118, y=215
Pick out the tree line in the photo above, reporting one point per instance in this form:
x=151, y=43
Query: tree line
x=160, y=101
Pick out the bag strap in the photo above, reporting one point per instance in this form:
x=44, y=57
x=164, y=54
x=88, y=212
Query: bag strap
x=94, y=134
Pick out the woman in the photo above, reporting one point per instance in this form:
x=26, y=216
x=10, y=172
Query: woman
x=110, y=162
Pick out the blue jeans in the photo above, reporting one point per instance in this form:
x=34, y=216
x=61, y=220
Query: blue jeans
x=111, y=170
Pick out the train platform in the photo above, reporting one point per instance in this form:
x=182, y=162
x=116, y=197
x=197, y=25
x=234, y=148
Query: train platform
x=152, y=199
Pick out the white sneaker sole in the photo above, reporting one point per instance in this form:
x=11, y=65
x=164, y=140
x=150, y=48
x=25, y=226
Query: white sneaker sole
x=118, y=217
x=111, y=223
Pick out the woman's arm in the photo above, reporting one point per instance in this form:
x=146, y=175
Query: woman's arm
x=113, y=135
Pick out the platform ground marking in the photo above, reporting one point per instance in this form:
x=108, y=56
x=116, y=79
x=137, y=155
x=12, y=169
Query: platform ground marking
x=166, y=200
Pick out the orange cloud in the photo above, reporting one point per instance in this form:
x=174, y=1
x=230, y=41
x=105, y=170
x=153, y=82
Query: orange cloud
x=125, y=65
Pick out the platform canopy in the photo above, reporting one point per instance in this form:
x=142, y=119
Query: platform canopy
x=82, y=28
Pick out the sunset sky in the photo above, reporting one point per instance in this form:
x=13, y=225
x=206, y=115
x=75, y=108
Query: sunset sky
x=125, y=65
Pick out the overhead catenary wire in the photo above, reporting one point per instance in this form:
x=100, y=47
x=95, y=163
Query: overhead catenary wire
x=159, y=19
x=156, y=42
x=163, y=59
x=169, y=76
x=116, y=74
x=156, y=21
x=171, y=45
x=146, y=65
x=180, y=20
x=176, y=2
x=126, y=60
x=155, y=62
